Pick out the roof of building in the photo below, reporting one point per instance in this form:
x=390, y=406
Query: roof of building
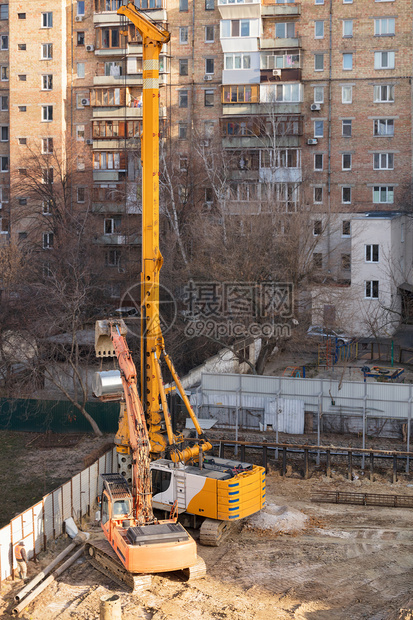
x=379, y=215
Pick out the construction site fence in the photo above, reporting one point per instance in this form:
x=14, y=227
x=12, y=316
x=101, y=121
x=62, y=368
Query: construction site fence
x=44, y=521
x=58, y=416
x=367, y=409
x=303, y=457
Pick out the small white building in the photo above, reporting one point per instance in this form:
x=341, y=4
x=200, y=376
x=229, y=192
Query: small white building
x=376, y=297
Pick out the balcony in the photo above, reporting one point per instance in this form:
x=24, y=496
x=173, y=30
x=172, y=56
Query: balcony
x=108, y=207
x=111, y=18
x=269, y=8
x=259, y=142
x=233, y=109
x=280, y=75
x=117, y=112
x=104, y=176
x=125, y=80
x=279, y=43
x=133, y=239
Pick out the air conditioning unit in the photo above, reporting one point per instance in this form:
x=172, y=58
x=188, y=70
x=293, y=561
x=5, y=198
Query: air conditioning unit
x=90, y=48
x=312, y=141
x=276, y=72
x=207, y=77
x=79, y=18
x=89, y=141
x=85, y=101
x=315, y=106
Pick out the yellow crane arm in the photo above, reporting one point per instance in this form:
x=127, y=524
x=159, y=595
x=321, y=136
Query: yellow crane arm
x=147, y=28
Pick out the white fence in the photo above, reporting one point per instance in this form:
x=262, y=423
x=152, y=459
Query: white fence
x=44, y=521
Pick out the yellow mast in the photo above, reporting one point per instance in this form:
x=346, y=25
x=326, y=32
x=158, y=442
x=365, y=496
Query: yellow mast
x=153, y=38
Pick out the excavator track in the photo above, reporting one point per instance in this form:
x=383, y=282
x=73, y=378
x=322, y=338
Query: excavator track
x=197, y=571
x=101, y=555
x=213, y=532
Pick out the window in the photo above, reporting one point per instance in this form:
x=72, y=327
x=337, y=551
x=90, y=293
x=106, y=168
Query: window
x=288, y=92
x=346, y=161
x=81, y=194
x=183, y=163
x=237, y=61
x=346, y=195
x=80, y=38
x=384, y=93
x=47, y=176
x=47, y=51
x=183, y=35
x=109, y=160
x=346, y=228
x=240, y=94
x=22, y=141
x=209, y=66
x=80, y=7
x=183, y=66
x=384, y=60
x=346, y=127
x=5, y=42
x=48, y=240
x=113, y=68
x=318, y=161
x=47, y=82
x=4, y=11
x=235, y=28
x=23, y=201
x=183, y=131
x=384, y=27
x=47, y=20
x=347, y=27
x=347, y=1
x=183, y=98
x=110, y=38
x=4, y=163
x=371, y=253
x=286, y=30
x=183, y=5
x=346, y=94
x=21, y=15
x=383, y=161
x=383, y=194
x=4, y=73
x=209, y=34
x=22, y=78
x=112, y=225
x=383, y=127
x=318, y=129
x=318, y=195
x=345, y=262
x=22, y=108
x=317, y=228
x=47, y=145
x=80, y=69
x=113, y=258
x=21, y=46
x=372, y=289
x=319, y=30
x=4, y=133
x=106, y=97
x=208, y=98
x=209, y=5
x=319, y=1
x=347, y=62
x=47, y=113
x=318, y=62
x=319, y=94
x=80, y=133
x=209, y=195
x=47, y=206
x=22, y=171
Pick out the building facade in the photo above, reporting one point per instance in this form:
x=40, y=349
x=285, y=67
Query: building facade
x=309, y=101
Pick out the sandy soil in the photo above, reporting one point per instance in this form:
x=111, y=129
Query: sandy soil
x=342, y=562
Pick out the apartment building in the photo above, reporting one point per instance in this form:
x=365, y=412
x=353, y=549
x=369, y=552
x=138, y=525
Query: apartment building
x=310, y=100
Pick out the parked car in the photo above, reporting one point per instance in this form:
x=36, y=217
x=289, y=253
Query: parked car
x=316, y=331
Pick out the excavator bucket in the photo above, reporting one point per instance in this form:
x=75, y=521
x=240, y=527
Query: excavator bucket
x=103, y=341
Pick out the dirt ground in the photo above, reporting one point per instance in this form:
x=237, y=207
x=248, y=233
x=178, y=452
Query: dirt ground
x=349, y=562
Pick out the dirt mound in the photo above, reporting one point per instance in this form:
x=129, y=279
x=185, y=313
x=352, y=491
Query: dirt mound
x=280, y=519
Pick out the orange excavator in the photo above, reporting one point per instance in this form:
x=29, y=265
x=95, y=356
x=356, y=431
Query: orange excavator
x=137, y=544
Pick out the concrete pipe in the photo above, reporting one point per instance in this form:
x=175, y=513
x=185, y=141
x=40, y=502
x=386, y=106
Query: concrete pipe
x=110, y=607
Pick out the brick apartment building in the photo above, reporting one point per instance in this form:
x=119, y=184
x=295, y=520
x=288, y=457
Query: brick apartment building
x=314, y=97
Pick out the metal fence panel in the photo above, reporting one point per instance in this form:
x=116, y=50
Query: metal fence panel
x=5, y=555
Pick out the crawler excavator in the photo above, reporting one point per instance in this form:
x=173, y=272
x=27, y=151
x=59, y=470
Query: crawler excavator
x=215, y=492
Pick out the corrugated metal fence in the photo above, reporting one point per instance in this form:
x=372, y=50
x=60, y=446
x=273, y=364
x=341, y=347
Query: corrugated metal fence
x=44, y=521
x=242, y=399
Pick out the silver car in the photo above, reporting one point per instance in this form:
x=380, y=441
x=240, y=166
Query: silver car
x=316, y=331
